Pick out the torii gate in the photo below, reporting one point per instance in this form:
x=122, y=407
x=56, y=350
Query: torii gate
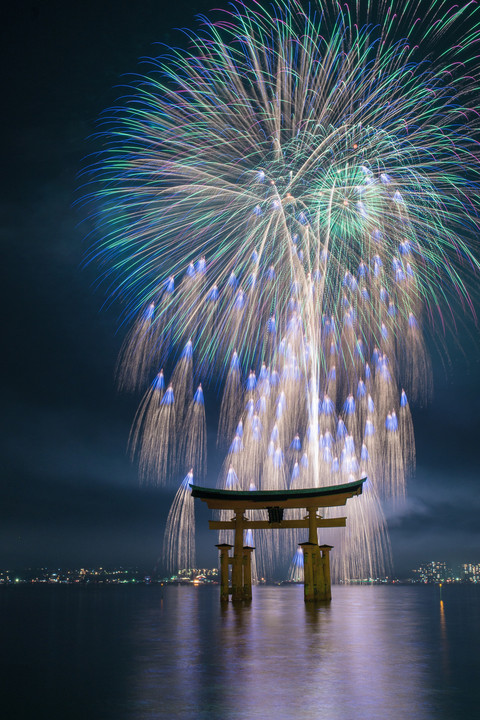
x=316, y=562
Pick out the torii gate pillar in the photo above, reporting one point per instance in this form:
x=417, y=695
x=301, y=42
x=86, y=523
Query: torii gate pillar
x=247, y=572
x=326, y=591
x=316, y=563
x=224, y=562
x=316, y=571
x=237, y=565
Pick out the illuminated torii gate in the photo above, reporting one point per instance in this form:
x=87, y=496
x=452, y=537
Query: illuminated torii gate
x=316, y=562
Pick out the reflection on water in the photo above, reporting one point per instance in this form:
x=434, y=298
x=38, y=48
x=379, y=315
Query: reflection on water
x=444, y=639
x=144, y=652
x=375, y=652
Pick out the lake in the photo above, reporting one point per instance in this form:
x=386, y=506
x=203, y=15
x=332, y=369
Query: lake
x=133, y=652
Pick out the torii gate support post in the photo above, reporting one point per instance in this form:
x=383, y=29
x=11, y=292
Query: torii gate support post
x=316, y=563
x=224, y=563
x=327, y=584
x=318, y=575
x=247, y=572
x=308, y=570
x=237, y=560
x=317, y=569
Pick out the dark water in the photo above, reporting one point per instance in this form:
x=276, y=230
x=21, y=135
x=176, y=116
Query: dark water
x=142, y=652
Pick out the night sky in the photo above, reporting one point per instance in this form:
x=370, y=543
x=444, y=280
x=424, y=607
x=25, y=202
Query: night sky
x=69, y=494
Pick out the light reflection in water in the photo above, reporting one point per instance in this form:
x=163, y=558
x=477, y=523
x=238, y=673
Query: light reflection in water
x=138, y=653
x=370, y=654
x=444, y=640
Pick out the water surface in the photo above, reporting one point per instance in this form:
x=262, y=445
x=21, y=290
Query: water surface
x=138, y=652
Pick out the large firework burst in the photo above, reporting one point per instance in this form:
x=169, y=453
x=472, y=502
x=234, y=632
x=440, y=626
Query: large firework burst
x=282, y=207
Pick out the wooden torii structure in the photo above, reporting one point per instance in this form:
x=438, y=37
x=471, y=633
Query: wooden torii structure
x=316, y=561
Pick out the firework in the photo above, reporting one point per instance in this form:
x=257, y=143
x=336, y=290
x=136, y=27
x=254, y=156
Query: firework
x=179, y=541
x=285, y=206
x=295, y=572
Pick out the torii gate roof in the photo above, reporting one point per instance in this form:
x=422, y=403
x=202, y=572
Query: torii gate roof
x=328, y=496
